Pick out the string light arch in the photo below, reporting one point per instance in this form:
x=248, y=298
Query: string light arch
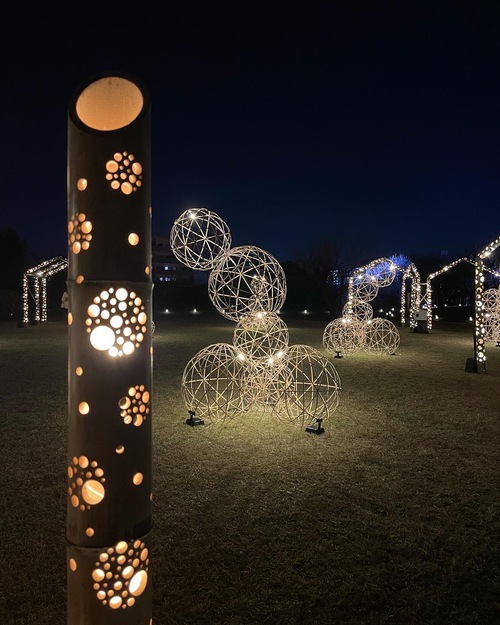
x=37, y=277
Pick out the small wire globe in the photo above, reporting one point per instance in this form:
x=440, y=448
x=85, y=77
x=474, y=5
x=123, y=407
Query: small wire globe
x=261, y=336
x=364, y=288
x=199, y=237
x=212, y=383
x=310, y=386
x=343, y=336
x=246, y=279
x=362, y=311
x=381, y=336
x=383, y=271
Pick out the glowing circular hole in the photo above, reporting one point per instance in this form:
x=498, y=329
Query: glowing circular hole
x=116, y=321
x=72, y=564
x=102, y=338
x=133, y=238
x=121, y=294
x=89, y=531
x=115, y=602
x=137, y=479
x=120, y=449
x=79, y=371
x=138, y=583
x=127, y=188
x=79, y=279
x=128, y=348
x=93, y=310
x=83, y=407
x=124, y=403
x=121, y=547
x=81, y=184
x=93, y=492
x=70, y=319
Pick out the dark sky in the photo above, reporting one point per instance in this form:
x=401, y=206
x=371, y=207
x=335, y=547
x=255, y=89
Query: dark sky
x=372, y=124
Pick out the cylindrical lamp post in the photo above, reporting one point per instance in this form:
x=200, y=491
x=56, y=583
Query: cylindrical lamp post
x=109, y=510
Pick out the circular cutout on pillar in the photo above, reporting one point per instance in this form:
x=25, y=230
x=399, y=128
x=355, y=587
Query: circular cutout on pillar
x=133, y=238
x=83, y=407
x=109, y=103
x=137, y=479
x=81, y=184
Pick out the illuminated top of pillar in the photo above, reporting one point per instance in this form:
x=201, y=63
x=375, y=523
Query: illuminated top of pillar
x=109, y=103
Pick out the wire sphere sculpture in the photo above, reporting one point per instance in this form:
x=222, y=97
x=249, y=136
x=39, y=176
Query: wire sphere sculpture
x=384, y=272
x=247, y=279
x=381, y=336
x=491, y=327
x=212, y=383
x=199, y=237
x=491, y=301
x=365, y=288
x=344, y=336
x=308, y=386
x=261, y=336
x=362, y=311
x=263, y=383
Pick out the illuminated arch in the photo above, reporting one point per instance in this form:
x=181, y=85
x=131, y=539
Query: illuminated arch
x=37, y=276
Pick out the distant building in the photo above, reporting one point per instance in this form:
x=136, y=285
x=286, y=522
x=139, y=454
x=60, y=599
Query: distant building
x=166, y=267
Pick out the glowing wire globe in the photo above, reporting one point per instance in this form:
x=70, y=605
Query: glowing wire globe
x=212, y=383
x=246, y=279
x=199, y=237
x=491, y=327
x=261, y=336
x=343, y=336
x=362, y=311
x=365, y=288
x=310, y=386
x=384, y=272
x=381, y=336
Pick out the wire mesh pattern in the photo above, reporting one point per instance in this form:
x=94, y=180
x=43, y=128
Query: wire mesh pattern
x=365, y=288
x=212, y=383
x=343, y=336
x=491, y=301
x=261, y=336
x=247, y=279
x=309, y=387
x=491, y=327
x=362, y=311
x=381, y=336
x=199, y=238
x=384, y=272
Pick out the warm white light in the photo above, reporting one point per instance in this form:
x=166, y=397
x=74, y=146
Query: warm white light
x=102, y=338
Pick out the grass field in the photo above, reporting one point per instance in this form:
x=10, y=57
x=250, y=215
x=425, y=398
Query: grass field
x=391, y=516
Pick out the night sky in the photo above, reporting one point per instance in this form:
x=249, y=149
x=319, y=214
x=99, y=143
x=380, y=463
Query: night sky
x=374, y=125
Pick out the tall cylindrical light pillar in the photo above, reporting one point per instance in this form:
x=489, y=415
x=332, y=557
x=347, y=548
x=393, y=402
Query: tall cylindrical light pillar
x=109, y=509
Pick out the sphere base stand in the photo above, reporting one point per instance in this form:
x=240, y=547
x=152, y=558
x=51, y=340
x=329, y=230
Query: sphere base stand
x=192, y=420
x=316, y=428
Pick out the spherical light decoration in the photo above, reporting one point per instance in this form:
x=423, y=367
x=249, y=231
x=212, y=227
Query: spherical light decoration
x=362, y=311
x=491, y=301
x=381, y=336
x=365, y=288
x=383, y=271
x=247, y=279
x=311, y=386
x=343, y=336
x=212, y=383
x=491, y=327
x=199, y=237
x=261, y=336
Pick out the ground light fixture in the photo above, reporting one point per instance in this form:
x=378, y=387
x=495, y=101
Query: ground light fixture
x=109, y=467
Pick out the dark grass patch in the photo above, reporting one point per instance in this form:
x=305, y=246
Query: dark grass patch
x=390, y=516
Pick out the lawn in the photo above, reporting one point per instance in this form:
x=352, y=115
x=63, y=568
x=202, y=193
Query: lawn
x=390, y=516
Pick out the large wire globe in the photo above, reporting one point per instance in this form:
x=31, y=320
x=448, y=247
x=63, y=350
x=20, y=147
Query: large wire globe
x=199, y=237
x=491, y=327
x=381, y=336
x=246, y=279
x=212, y=383
x=343, y=336
x=261, y=336
x=310, y=386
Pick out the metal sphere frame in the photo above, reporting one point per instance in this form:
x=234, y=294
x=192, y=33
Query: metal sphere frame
x=199, y=238
x=344, y=336
x=247, y=279
x=381, y=336
x=261, y=336
x=212, y=383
